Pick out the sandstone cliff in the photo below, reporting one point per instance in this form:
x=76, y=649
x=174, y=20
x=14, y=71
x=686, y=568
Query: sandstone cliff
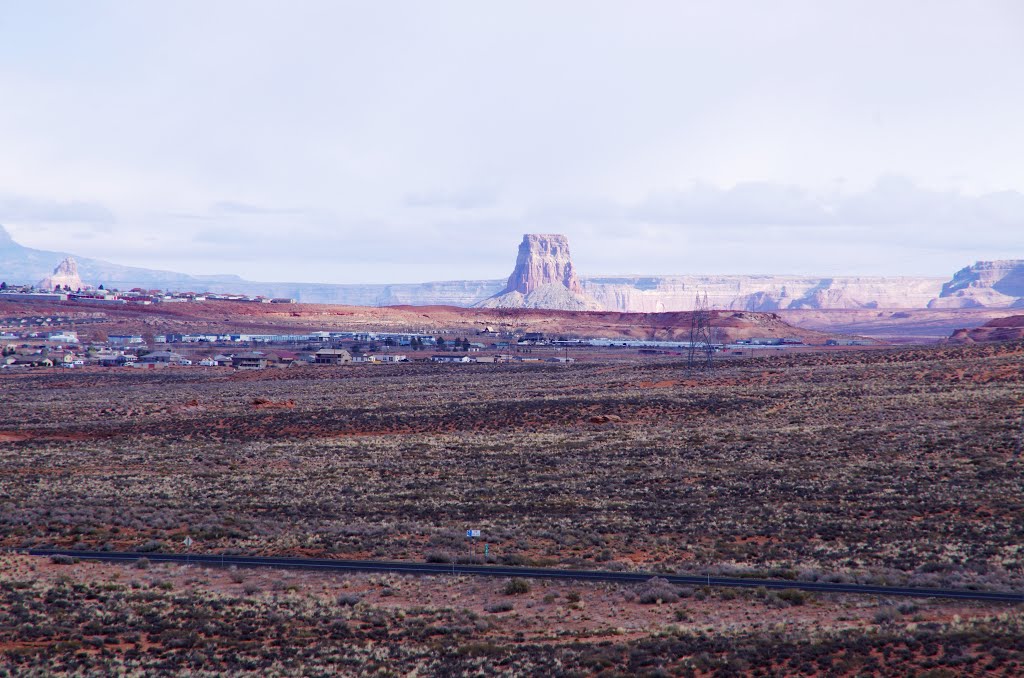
x=544, y=277
x=989, y=284
x=655, y=294
x=1000, y=329
x=64, y=276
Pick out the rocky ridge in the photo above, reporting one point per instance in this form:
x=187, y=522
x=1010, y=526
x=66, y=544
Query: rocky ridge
x=998, y=329
x=656, y=294
x=546, y=278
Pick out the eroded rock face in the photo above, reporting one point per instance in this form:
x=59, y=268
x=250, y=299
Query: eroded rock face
x=544, y=277
x=999, y=329
x=984, y=284
x=655, y=294
x=66, y=274
x=543, y=260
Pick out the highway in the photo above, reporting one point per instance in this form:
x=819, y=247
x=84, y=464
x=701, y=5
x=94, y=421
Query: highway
x=529, y=573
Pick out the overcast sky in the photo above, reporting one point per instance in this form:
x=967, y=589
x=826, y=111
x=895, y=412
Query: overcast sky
x=402, y=142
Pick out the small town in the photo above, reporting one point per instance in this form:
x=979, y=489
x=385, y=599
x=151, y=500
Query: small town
x=64, y=348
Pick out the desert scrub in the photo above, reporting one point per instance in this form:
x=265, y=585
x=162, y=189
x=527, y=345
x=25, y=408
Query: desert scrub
x=873, y=455
x=516, y=586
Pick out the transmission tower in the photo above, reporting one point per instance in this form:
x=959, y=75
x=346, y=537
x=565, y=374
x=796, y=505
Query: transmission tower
x=702, y=348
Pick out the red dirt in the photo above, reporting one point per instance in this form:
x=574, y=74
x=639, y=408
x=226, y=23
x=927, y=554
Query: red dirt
x=263, y=403
x=667, y=383
x=224, y=316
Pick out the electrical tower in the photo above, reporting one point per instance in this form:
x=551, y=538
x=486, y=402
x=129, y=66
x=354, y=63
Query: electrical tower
x=702, y=348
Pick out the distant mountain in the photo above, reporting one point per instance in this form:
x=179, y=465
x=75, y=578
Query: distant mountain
x=544, y=277
x=24, y=265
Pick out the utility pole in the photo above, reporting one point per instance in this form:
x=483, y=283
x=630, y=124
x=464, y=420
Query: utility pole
x=700, y=335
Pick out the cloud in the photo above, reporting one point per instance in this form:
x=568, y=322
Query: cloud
x=19, y=209
x=465, y=199
x=229, y=207
x=891, y=201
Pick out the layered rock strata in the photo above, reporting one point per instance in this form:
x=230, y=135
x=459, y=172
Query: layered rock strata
x=543, y=277
x=64, y=276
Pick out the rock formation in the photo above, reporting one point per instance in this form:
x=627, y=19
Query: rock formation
x=544, y=277
x=64, y=276
x=543, y=260
x=999, y=329
x=989, y=284
x=656, y=294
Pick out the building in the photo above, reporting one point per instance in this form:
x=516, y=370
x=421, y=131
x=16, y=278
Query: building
x=28, y=361
x=251, y=360
x=388, y=358
x=34, y=296
x=332, y=356
x=165, y=357
x=123, y=339
x=114, y=359
x=65, y=337
x=450, y=358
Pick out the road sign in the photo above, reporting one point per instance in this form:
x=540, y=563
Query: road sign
x=188, y=542
x=472, y=533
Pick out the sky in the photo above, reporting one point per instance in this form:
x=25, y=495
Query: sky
x=357, y=142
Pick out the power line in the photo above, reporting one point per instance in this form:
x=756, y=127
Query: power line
x=702, y=349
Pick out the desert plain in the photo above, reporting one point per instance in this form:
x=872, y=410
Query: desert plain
x=892, y=465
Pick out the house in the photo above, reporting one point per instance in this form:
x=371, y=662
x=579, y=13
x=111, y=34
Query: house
x=64, y=337
x=28, y=361
x=282, y=358
x=450, y=358
x=559, y=359
x=66, y=358
x=166, y=357
x=114, y=359
x=222, y=359
x=123, y=339
x=332, y=356
x=387, y=358
x=251, y=360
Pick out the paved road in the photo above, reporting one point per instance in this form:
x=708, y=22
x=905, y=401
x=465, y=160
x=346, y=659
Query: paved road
x=531, y=572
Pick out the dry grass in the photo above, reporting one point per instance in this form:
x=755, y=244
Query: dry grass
x=114, y=619
x=892, y=465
